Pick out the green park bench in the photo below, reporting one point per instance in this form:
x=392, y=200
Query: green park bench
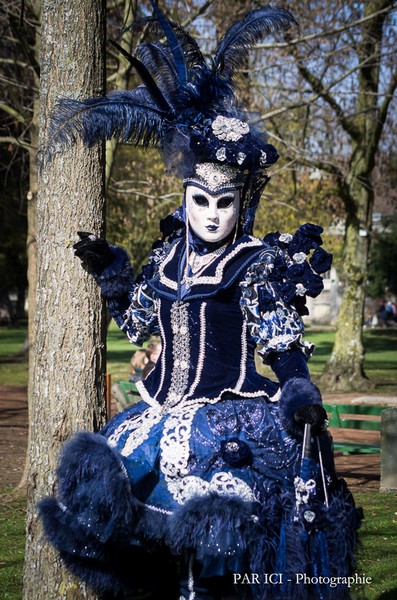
x=125, y=393
x=354, y=417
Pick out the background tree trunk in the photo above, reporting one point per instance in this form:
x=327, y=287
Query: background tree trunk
x=31, y=240
x=69, y=356
x=344, y=370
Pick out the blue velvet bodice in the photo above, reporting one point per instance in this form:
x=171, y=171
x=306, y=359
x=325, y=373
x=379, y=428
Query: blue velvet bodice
x=207, y=352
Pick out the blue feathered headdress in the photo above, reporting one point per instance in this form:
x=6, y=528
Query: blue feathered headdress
x=185, y=105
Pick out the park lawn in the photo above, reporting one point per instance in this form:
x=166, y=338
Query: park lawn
x=12, y=547
x=377, y=558
x=13, y=369
x=380, y=355
x=380, y=361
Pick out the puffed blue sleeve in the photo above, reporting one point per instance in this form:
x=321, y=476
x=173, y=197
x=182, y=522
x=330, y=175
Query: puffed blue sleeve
x=275, y=286
x=273, y=299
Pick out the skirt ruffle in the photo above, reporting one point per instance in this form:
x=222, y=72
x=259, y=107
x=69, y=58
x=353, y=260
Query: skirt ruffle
x=104, y=525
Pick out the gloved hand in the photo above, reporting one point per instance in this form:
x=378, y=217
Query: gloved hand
x=94, y=252
x=315, y=415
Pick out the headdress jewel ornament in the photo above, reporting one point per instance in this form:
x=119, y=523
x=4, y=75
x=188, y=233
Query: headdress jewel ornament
x=186, y=106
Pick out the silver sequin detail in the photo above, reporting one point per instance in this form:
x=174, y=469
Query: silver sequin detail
x=221, y=154
x=180, y=352
x=201, y=357
x=229, y=129
x=215, y=177
x=232, y=447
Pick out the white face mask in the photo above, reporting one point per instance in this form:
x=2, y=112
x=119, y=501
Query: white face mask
x=212, y=217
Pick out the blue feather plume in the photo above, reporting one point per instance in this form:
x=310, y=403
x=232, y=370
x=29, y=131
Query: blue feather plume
x=192, y=54
x=175, y=47
x=147, y=79
x=127, y=115
x=158, y=59
x=179, y=97
x=242, y=36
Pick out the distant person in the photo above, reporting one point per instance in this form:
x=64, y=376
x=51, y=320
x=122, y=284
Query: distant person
x=138, y=362
x=153, y=352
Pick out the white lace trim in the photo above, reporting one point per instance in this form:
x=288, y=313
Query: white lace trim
x=175, y=449
x=163, y=350
x=207, y=279
x=180, y=353
x=139, y=428
x=163, y=278
x=201, y=356
x=243, y=360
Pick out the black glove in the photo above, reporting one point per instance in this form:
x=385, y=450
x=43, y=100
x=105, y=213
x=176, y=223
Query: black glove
x=315, y=415
x=94, y=252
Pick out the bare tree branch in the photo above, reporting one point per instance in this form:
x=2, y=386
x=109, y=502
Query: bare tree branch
x=383, y=110
x=323, y=91
x=326, y=33
x=15, y=142
x=12, y=112
x=323, y=165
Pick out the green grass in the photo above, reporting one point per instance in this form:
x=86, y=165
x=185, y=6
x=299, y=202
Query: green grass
x=380, y=358
x=377, y=558
x=12, y=548
x=13, y=371
x=378, y=555
x=380, y=355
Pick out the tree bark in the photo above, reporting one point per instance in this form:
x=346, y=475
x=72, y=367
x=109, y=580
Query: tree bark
x=344, y=370
x=69, y=356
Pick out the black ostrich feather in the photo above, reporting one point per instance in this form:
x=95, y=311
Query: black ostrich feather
x=175, y=46
x=158, y=60
x=126, y=115
x=192, y=53
x=242, y=36
x=146, y=78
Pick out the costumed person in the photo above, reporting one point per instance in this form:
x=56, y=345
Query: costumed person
x=205, y=477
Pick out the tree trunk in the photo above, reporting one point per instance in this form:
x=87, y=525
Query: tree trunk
x=31, y=252
x=69, y=356
x=344, y=370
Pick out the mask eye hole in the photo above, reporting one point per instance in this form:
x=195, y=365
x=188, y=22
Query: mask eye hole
x=225, y=202
x=200, y=200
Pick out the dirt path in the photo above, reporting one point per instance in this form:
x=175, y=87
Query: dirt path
x=361, y=471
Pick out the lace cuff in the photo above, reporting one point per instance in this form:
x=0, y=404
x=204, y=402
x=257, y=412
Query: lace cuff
x=140, y=318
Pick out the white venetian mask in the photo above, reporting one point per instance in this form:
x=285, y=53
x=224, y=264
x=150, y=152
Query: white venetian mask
x=212, y=217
